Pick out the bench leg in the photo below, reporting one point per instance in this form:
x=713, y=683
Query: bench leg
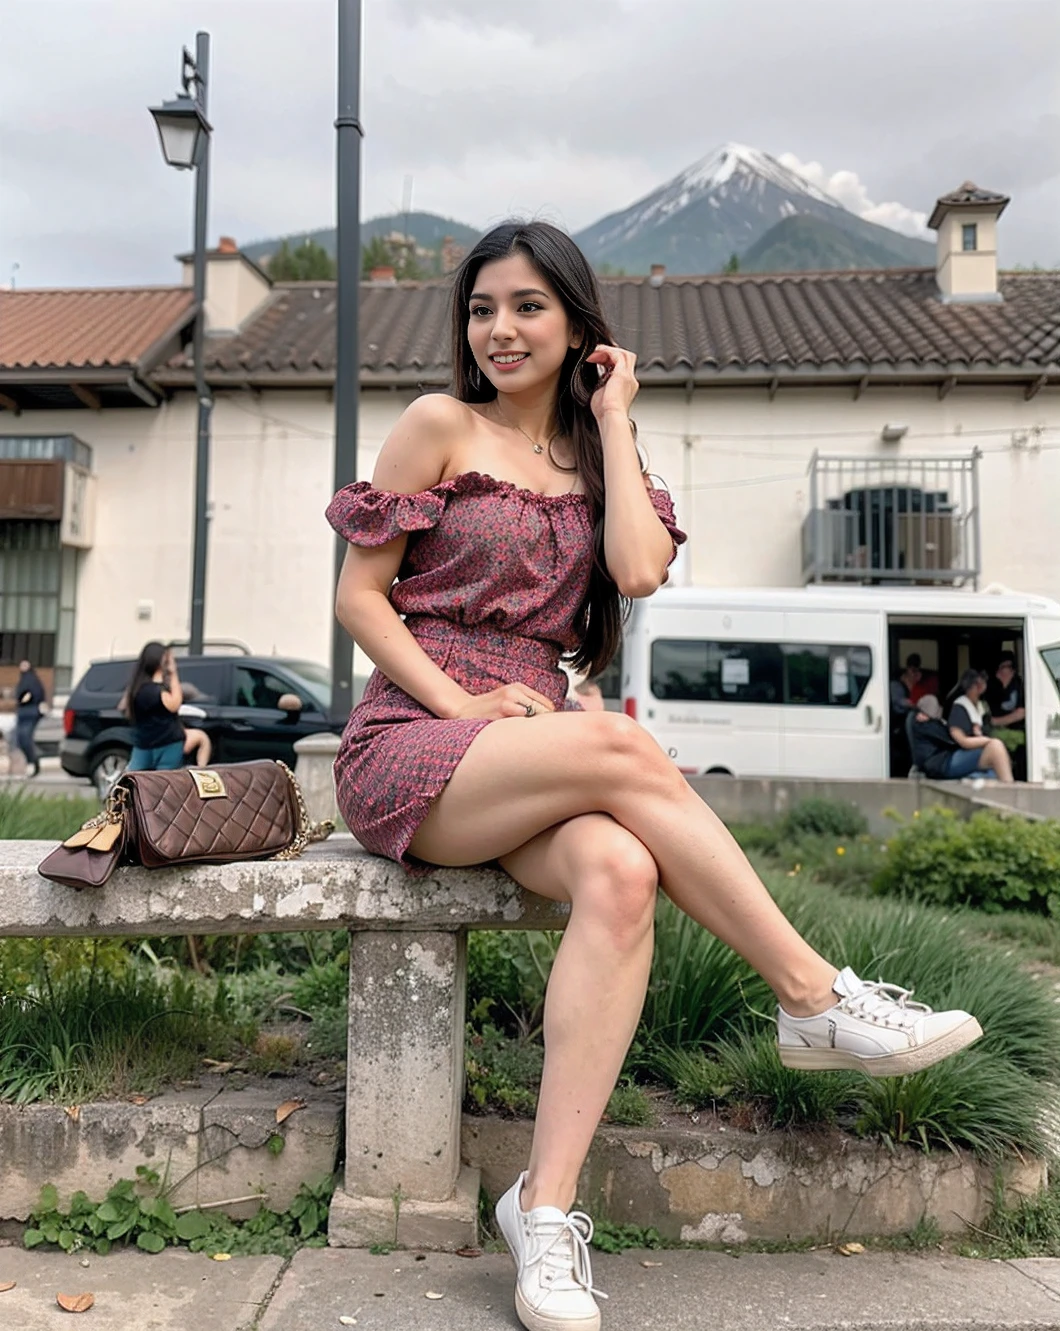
x=404, y=1182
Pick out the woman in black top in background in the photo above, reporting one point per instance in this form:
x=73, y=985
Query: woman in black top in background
x=151, y=702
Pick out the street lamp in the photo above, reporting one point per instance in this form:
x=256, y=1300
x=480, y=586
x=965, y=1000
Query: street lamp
x=184, y=134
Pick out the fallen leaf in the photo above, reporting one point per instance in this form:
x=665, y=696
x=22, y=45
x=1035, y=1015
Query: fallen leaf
x=215, y=1066
x=432, y=1294
x=75, y=1303
x=288, y=1107
x=651, y=1263
x=138, y=1099
x=347, y=1321
x=222, y=1256
x=469, y=1252
x=73, y=1111
x=849, y=1249
x=5, y=1285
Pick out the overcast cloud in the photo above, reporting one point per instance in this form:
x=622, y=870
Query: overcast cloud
x=564, y=109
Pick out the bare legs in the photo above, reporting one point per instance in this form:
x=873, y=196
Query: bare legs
x=528, y=785
x=994, y=754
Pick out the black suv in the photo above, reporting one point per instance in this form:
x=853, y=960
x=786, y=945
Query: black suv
x=250, y=706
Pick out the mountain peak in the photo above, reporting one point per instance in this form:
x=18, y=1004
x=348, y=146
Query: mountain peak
x=739, y=160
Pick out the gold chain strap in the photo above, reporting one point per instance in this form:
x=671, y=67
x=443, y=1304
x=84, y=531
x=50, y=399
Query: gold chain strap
x=308, y=831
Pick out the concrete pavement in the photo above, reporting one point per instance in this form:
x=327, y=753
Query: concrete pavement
x=675, y=1291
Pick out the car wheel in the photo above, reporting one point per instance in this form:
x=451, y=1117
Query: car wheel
x=108, y=766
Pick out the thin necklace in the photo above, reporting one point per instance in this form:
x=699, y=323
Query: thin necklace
x=538, y=448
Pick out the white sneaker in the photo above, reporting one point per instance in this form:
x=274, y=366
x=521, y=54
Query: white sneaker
x=554, y=1280
x=874, y=1028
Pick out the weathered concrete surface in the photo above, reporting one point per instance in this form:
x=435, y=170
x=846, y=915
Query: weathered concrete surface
x=435, y=1226
x=335, y=884
x=314, y=767
x=405, y=1056
x=215, y=1141
x=686, y=1291
x=726, y=1186
x=175, y=1291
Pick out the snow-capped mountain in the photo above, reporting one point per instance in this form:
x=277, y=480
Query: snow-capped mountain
x=723, y=205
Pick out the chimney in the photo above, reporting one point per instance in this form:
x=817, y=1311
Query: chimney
x=382, y=276
x=658, y=272
x=966, y=256
x=235, y=286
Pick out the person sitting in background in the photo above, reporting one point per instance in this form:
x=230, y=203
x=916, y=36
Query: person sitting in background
x=587, y=692
x=979, y=752
x=901, y=707
x=1008, y=708
x=930, y=741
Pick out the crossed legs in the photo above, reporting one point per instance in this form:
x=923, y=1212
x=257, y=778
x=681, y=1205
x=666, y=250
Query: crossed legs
x=586, y=807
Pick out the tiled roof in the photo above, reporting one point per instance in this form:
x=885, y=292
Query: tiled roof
x=93, y=329
x=846, y=322
x=968, y=195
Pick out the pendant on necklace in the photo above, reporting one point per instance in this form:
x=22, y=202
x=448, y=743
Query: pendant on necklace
x=538, y=448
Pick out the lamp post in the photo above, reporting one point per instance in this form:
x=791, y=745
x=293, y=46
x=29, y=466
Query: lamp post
x=349, y=133
x=184, y=133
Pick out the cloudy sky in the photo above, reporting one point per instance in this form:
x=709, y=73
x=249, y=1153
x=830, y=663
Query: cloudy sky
x=563, y=109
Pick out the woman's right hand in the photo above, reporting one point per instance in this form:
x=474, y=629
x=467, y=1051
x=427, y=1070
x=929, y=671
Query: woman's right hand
x=508, y=700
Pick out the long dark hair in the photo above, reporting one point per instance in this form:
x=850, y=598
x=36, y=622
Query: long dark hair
x=144, y=670
x=560, y=262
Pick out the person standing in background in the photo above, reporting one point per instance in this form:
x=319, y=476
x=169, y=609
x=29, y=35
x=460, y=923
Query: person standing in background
x=151, y=703
x=1008, y=708
x=29, y=693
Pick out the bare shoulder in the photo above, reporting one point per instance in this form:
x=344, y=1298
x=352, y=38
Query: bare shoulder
x=416, y=451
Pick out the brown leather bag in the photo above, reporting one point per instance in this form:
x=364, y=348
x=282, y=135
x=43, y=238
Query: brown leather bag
x=204, y=815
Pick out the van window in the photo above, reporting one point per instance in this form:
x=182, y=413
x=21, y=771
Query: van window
x=797, y=674
x=201, y=681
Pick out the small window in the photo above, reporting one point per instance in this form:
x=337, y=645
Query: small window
x=796, y=674
x=201, y=681
x=970, y=236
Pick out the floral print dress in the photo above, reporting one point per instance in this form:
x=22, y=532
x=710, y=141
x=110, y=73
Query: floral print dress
x=490, y=584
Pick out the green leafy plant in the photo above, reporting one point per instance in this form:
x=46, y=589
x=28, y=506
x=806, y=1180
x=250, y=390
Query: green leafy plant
x=988, y=861
x=609, y=1237
x=137, y=1212
x=630, y=1106
x=823, y=817
x=502, y=1072
x=752, y=1066
x=695, y=1078
x=25, y=817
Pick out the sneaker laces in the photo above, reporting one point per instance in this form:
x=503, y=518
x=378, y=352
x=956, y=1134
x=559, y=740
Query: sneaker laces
x=886, y=1003
x=567, y=1250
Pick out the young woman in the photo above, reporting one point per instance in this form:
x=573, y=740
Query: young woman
x=151, y=702
x=977, y=754
x=517, y=517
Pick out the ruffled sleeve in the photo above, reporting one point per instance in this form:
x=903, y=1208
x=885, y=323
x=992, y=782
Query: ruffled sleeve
x=664, y=506
x=367, y=516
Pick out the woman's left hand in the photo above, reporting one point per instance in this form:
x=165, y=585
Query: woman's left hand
x=618, y=383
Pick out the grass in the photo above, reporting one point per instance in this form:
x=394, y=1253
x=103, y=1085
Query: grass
x=26, y=817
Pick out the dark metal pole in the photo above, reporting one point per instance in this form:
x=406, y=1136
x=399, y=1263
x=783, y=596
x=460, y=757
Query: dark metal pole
x=347, y=358
x=202, y=392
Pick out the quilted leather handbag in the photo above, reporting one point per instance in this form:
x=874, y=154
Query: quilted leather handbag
x=194, y=815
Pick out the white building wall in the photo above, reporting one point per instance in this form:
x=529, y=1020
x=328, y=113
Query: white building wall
x=735, y=463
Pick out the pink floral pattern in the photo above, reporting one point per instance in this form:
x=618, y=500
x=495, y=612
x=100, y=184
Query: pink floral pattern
x=490, y=583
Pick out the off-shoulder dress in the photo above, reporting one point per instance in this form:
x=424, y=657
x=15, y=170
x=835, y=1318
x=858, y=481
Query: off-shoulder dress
x=490, y=586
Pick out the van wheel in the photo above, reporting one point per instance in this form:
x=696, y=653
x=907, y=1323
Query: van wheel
x=718, y=771
x=109, y=765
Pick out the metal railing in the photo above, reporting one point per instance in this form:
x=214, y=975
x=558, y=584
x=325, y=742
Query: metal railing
x=902, y=520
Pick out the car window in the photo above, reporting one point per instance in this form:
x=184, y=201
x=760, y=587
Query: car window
x=201, y=681
x=258, y=688
x=107, y=677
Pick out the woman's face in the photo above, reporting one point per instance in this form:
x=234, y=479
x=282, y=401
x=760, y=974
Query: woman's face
x=517, y=327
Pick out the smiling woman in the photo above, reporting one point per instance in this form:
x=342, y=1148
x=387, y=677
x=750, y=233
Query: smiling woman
x=516, y=518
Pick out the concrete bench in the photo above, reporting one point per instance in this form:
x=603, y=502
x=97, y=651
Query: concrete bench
x=408, y=982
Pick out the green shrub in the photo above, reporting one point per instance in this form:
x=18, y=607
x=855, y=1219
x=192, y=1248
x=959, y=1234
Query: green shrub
x=1030, y=1228
x=510, y=969
x=822, y=817
x=990, y=862
x=696, y=1079
x=502, y=1073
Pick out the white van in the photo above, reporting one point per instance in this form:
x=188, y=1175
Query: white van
x=795, y=681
